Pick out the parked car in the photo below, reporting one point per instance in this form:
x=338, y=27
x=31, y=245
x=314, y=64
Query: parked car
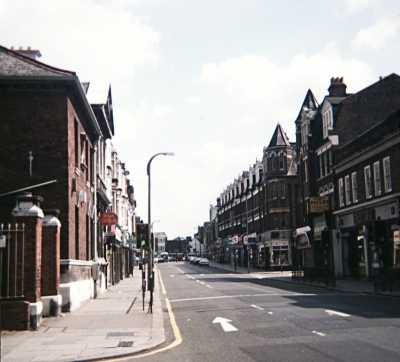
x=196, y=261
x=191, y=260
x=160, y=260
x=204, y=262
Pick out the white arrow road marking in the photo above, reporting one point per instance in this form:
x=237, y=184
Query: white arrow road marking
x=331, y=312
x=319, y=333
x=225, y=324
x=256, y=306
x=270, y=313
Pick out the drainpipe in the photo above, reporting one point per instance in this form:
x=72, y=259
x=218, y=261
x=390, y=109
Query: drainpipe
x=94, y=245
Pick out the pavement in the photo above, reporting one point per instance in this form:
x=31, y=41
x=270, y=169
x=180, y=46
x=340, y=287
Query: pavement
x=115, y=325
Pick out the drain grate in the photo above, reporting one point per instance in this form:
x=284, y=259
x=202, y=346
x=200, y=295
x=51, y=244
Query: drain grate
x=125, y=344
x=120, y=334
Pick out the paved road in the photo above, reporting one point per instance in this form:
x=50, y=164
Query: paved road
x=235, y=317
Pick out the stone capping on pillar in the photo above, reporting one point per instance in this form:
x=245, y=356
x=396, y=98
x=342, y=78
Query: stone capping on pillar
x=28, y=205
x=51, y=217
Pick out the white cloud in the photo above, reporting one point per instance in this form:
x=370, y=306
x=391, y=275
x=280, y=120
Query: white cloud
x=377, y=36
x=199, y=101
x=271, y=92
x=117, y=44
x=356, y=6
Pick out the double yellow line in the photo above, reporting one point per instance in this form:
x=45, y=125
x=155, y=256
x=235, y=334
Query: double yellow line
x=177, y=333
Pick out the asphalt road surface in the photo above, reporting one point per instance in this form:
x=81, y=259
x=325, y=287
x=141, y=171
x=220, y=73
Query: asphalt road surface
x=222, y=316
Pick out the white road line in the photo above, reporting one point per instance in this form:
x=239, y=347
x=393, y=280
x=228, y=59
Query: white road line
x=256, y=306
x=340, y=314
x=319, y=333
x=243, y=296
x=270, y=313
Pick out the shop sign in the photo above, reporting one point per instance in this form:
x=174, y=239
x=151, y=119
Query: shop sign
x=108, y=218
x=363, y=217
x=302, y=241
x=319, y=204
x=318, y=227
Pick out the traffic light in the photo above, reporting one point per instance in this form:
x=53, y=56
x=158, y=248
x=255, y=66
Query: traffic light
x=380, y=232
x=142, y=236
x=325, y=234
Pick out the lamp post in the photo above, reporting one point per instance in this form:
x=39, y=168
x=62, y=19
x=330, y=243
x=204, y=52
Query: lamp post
x=152, y=231
x=151, y=261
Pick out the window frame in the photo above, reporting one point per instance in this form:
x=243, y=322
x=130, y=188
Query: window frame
x=368, y=182
x=377, y=179
x=347, y=189
x=354, y=187
x=341, y=192
x=387, y=176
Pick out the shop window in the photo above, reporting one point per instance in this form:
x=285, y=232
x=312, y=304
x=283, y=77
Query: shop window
x=387, y=174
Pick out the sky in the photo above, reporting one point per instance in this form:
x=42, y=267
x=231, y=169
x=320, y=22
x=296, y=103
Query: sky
x=208, y=80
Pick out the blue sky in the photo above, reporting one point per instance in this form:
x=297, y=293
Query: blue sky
x=207, y=80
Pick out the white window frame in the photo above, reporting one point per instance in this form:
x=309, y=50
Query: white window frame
x=368, y=182
x=387, y=174
x=354, y=186
x=377, y=178
x=341, y=192
x=347, y=189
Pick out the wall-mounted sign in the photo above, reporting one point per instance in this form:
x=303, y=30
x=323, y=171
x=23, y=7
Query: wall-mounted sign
x=319, y=204
x=108, y=218
x=363, y=216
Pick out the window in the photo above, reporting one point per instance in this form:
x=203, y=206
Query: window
x=283, y=220
x=305, y=170
x=347, y=189
x=274, y=190
x=354, y=186
x=387, y=175
x=281, y=161
x=273, y=163
x=377, y=178
x=341, y=192
x=327, y=121
x=321, y=165
x=368, y=186
x=283, y=189
x=275, y=221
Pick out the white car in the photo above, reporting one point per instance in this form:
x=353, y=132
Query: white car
x=204, y=262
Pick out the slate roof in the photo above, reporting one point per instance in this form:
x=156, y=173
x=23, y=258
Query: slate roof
x=279, y=138
x=14, y=64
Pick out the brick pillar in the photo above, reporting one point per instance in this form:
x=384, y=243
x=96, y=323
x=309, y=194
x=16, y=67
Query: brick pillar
x=50, y=286
x=28, y=211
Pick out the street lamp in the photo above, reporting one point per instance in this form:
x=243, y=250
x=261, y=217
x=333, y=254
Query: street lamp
x=152, y=231
x=151, y=261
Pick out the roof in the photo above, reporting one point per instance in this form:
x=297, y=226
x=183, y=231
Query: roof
x=97, y=92
x=13, y=63
x=310, y=102
x=279, y=138
x=18, y=70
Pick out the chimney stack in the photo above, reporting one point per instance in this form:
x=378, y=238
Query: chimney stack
x=28, y=52
x=337, y=88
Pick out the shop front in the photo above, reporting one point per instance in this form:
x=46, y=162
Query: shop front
x=370, y=239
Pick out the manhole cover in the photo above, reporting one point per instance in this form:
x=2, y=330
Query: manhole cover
x=125, y=344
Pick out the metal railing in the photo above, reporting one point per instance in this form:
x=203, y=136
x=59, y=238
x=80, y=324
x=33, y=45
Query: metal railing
x=386, y=279
x=12, y=261
x=314, y=275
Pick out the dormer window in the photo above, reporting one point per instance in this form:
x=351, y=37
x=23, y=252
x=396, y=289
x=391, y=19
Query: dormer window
x=327, y=120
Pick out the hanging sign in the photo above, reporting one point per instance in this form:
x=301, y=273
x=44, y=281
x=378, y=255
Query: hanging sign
x=108, y=218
